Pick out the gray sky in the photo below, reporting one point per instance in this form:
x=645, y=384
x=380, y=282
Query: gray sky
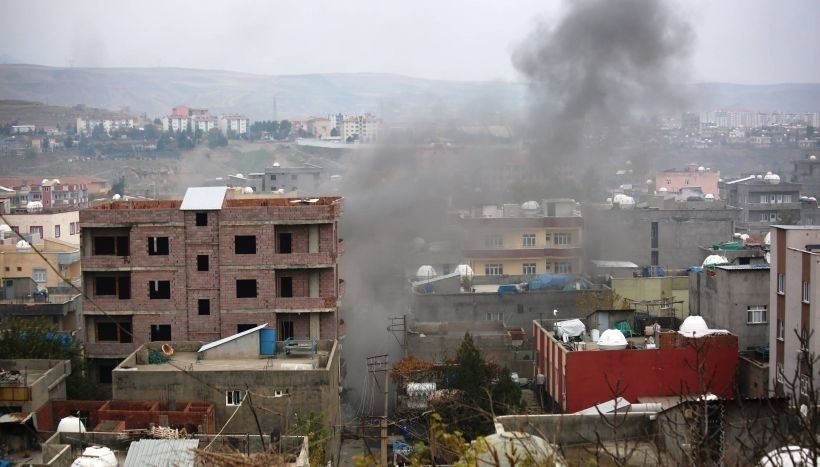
x=740, y=41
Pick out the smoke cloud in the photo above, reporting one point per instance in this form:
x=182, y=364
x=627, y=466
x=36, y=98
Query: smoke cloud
x=596, y=75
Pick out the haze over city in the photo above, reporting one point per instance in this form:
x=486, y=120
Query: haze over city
x=573, y=232
x=737, y=41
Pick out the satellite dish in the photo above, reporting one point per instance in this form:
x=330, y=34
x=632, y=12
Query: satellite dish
x=167, y=349
x=554, y=312
x=804, y=410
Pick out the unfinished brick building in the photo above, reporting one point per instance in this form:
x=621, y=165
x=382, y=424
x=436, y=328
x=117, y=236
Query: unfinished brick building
x=205, y=267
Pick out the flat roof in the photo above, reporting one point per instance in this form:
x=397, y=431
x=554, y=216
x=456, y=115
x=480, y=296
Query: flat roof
x=189, y=361
x=203, y=198
x=743, y=267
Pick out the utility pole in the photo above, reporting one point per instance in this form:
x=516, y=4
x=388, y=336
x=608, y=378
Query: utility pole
x=376, y=364
x=398, y=327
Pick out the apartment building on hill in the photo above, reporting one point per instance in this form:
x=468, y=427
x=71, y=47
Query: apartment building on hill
x=205, y=267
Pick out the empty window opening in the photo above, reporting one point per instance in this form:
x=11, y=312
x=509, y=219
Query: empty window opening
x=204, y=306
x=105, y=374
x=245, y=288
x=111, y=245
x=286, y=287
x=157, y=245
x=202, y=262
x=160, y=332
x=110, y=331
x=201, y=219
x=286, y=330
x=119, y=286
x=245, y=244
x=159, y=289
x=244, y=327
x=285, y=243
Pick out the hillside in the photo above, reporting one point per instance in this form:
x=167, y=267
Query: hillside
x=155, y=90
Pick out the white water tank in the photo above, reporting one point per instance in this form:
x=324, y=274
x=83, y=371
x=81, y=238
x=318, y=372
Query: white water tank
x=96, y=456
x=594, y=335
x=71, y=424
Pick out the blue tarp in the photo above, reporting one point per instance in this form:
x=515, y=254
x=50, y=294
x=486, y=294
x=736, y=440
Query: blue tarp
x=507, y=288
x=550, y=281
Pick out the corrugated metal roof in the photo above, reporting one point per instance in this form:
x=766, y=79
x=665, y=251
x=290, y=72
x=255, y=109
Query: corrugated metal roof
x=161, y=453
x=230, y=338
x=203, y=198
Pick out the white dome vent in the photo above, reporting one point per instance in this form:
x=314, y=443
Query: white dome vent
x=464, y=270
x=23, y=245
x=612, y=339
x=714, y=260
x=774, y=179
x=693, y=324
x=426, y=272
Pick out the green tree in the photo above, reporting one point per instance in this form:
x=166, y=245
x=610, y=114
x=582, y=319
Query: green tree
x=36, y=338
x=99, y=133
x=283, y=131
x=216, y=138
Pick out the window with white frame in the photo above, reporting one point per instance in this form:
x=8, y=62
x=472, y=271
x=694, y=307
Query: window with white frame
x=39, y=275
x=764, y=217
x=781, y=329
x=806, y=291
x=563, y=238
x=529, y=268
x=772, y=217
x=234, y=397
x=562, y=267
x=528, y=240
x=781, y=281
x=787, y=198
x=493, y=269
x=756, y=314
x=493, y=241
x=764, y=199
x=779, y=373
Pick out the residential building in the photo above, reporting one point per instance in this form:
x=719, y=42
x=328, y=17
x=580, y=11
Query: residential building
x=85, y=126
x=304, y=180
x=45, y=194
x=208, y=266
x=283, y=380
x=806, y=172
x=175, y=123
x=659, y=232
x=765, y=200
x=60, y=226
x=360, y=128
x=238, y=124
x=674, y=180
x=733, y=297
x=25, y=386
x=666, y=295
x=319, y=127
x=582, y=374
x=793, y=301
x=528, y=239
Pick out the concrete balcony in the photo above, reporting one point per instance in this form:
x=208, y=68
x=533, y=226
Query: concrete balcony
x=303, y=260
x=306, y=303
x=106, y=263
x=53, y=305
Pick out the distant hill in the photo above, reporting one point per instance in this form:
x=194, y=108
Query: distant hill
x=155, y=90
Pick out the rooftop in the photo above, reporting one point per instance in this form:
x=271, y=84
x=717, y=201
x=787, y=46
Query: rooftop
x=232, y=200
x=190, y=362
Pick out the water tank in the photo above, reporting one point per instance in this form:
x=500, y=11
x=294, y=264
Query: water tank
x=267, y=341
x=594, y=335
x=612, y=339
x=23, y=245
x=71, y=424
x=96, y=456
x=426, y=272
x=511, y=448
x=464, y=270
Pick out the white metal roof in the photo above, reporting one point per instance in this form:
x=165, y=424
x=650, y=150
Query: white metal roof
x=213, y=344
x=203, y=198
x=161, y=452
x=614, y=264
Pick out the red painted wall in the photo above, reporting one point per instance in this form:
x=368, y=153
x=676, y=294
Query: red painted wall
x=594, y=376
